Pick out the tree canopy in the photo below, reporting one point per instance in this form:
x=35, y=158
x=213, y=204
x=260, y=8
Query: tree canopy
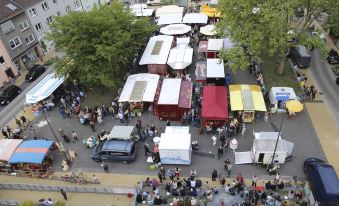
x=98, y=44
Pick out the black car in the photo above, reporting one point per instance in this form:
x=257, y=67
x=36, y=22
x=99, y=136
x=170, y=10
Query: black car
x=8, y=94
x=34, y=72
x=333, y=57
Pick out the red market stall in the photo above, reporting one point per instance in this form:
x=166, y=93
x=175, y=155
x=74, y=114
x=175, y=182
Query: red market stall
x=174, y=100
x=214, y=105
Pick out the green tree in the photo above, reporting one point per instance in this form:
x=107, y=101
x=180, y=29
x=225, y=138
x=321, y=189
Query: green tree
x=98, y=44
x=167, y=2
x=28, y=203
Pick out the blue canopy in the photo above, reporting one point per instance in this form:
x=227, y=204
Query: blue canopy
x=32, y=151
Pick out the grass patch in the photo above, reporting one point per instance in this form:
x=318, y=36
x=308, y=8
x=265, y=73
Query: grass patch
x=273, y=79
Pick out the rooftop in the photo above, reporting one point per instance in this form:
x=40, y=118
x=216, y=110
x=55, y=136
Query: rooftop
x=8, y=10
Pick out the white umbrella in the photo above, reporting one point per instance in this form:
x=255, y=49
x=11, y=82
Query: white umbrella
x=156, y=140
x=208, y=30
x=175, y=29
x=234, y=144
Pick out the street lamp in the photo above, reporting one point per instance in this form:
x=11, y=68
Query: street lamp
x=277, y=141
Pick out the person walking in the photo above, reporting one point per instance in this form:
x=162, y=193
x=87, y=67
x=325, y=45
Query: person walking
x=147, y=150
x=63, y=193
x=32, y=132
x=214, y=175
x=226, y=145
x=168, y=123
x=92, y=125
x=24, y=120
x=9, y=131
x=220, y=152
x=163, y=172
x=276, y=179
x=177, y=172
x=18, y=123
x=254, y=181
x=228, y=167
x=160, y=176
x=74, y=136
x=106, y=167
x=4, y=133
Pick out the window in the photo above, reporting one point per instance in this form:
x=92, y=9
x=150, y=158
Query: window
x=54, y=1
x=68, y=9
x=38, y=27
x=29, y=39
x=33, y=12
x=59, y=13
x=14, y=43
x=23, y=25
x=49, y=19
x=44, y=6
x=2, y=60
x=76, y=4
x=7, y=27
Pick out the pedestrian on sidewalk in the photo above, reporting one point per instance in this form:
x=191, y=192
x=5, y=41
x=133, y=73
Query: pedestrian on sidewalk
x=63, y=194
x=177, y=172
x=106, y=167
x=18, y=123
x=160, y=176
x=226, y=146
x=92, y=125
x=4, y=133
x=74, y=136
x=214, y=175
x=163, y=172
x=276, y=179
x=24, y=120
x=220, y=152
x=9, y=131
x=32, y=132
x=254, y=181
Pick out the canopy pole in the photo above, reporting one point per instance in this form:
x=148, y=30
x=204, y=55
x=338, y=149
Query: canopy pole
x=276, y=143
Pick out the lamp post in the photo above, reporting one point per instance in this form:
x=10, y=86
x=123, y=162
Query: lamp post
x=277, y=141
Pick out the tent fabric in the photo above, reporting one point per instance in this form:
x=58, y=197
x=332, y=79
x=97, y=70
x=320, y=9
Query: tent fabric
x=171, y=9
x=215, y=44
x=170, y=92
x=211, y=12
x=185, y=98
x=170, y=19
x=141, y=10
x=32, y=151
x=157, y=50
x=208, y=30
x=282, y=93
x=183, y=40
x=195, y=18
x=215, y=68
x=201, y=71
x=246, y=97
x=44, y=88
x=175, y=141
x=203, y=45
x=174, y=29
x=121, y=132
x=214, y=103
x=177, y=130
x=135, y=91
x=180, y=57
x=7, y=148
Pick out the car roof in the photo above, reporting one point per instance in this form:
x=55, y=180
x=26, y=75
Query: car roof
x=12, y=86
x=329, y=179
x=118, y=145
x=303, y=51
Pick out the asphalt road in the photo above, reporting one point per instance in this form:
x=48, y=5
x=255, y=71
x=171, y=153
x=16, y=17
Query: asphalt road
x=326, y=82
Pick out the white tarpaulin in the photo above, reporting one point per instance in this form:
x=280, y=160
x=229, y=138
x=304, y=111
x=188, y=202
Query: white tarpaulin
x=177, y=130
x=195, y=18
x=175, y=29
x=243, y=158
x=157, y=50
x=146, y=93
x=175, y=148
x=170, y=91
x=180, y=57
x=121, y=132
x=183, y=40
x=141, y=10
x=44, y=88
x=215, y=69
x=266, y=135
x=281, y=94
x=171, y=9
x=170, y=19
x=215, y=44
x=214, y=2
x=208, y=30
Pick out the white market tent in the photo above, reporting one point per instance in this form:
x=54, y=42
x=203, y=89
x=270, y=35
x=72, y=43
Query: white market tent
x=195, y=18
x=214, y=2
x=170, y=19
x=180, y=57
x=174, y=29
x=215, y=68
x=121, y=132
x=170, y=9
x=157, y=50
x=215, y=44
x=141, y=10
x=208, y=30
x=175, y=146
x=170, y=91
x=44, y=88
x=183, y=40
x=140, y=88
x=282, y=94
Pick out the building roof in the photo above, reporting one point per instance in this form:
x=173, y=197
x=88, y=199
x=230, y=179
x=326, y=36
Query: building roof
x=8, y=11
x=27, y=3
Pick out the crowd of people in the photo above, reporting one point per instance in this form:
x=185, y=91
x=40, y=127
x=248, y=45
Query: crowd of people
x=16, y=133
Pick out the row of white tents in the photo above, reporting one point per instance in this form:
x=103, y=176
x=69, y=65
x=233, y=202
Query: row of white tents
x=190, y=18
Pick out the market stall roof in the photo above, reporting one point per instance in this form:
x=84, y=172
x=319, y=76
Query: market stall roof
x=246, y=97
x=170, y=9
x=31, y=151
x=210, y=11
x=170, y=19
x=7, y=148
x=180, y=57
x=215, y=68
x=215, y=44
x=185, y=98
x=140, y=88
x=174, y=29
x=177, y=130
x=141, y=10
x=195, y=18
x=282, y=93
x=170, y=91
x=208, y=30
x=201, y=71
x=44, y=88
x=175, y=141
x=203, y=45
x=264, y=145
x=214, y=103
x=183, y=40
x=121, y=132
x=157, y=50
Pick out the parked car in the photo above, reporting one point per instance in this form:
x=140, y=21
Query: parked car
x=323, y=181
x=8, y=94
x=34, y=72
x=333, y=57
x=114, y=150
x=300, y=56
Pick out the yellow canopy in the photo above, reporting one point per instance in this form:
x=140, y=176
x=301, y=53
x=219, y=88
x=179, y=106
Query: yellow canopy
x=209, y=11
x=294, y=106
